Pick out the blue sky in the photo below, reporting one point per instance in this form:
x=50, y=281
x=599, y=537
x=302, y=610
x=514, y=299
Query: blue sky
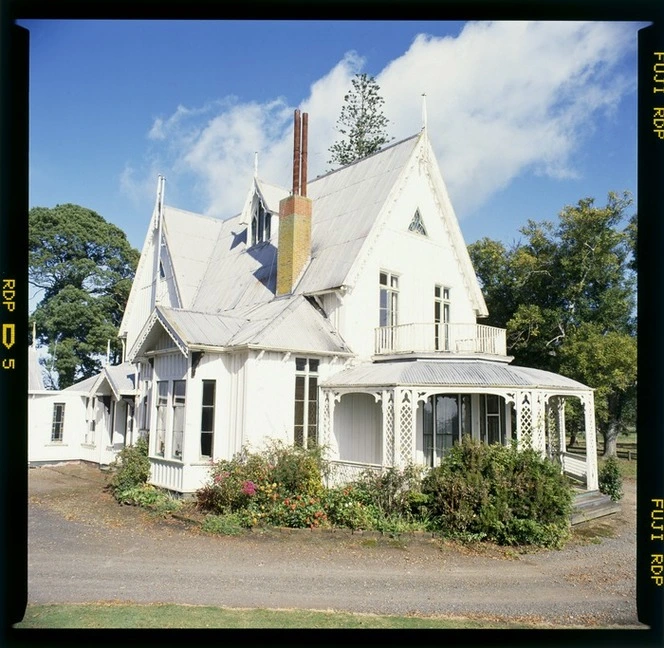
x=524, y=117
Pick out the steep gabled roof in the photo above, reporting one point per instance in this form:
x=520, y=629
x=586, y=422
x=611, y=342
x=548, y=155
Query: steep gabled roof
x=347, y=203
x=286, y=324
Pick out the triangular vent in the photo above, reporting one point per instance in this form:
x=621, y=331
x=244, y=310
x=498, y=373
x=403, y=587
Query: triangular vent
x=416, y=225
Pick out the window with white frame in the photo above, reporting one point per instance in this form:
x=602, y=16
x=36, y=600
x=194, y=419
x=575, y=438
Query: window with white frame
x=446, y=419
x=207, y=419
x=179, y=397
x=91, y=408
x=305, y=429
x=58, y=422
x=441, y=317
x=145, y=406
x=389, y=294
x=162, y=414
x=261, y=224
x=492, y=419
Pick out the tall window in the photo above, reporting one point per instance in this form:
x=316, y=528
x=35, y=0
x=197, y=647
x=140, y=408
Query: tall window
x=389, y=293
x=207, y=419
x=261, y=223
x=58, y=422
x=179, y=392
x=145, y=403
x=446, y=419
x=162, y=412
x=492, y=419
x=91, y=408
x=441, y=317
x=306, y=402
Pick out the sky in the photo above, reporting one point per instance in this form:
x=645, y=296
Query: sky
x=524, y=117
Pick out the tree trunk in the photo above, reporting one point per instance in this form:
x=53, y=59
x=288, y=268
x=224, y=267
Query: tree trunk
x=610, y=435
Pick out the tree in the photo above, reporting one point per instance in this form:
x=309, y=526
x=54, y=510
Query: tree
x=85, y=266
x=566, y=295
x=361, y=122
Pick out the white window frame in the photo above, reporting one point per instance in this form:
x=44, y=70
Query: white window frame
x=211, y=408
x=161, y=401
x=58, y=426
x=178, y=402
x=305, y=430
x=388, y=286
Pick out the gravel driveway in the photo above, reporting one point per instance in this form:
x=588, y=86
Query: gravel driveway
x=83, y=547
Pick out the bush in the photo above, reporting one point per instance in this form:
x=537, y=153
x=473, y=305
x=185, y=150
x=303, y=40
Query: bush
x=228, y=524
x=281, y=486
x=610, y=479
x=132, y=468
x=149, y=497
x=507, y=496
x=346, y=507
x=393, y=492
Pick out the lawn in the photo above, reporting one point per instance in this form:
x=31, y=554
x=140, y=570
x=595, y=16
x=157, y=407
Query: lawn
x=163, y=616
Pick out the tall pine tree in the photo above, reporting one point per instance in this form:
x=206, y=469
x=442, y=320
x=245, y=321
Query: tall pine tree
x=361, y=123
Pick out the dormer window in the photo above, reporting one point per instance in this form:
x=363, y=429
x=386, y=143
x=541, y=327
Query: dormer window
x=260, y=224
x=417, y=225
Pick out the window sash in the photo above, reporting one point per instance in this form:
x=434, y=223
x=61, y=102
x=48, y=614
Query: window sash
x=305, y=415
x=58, y=422
x=207, y=418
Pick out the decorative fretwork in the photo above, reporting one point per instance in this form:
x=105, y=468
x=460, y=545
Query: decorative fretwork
x=525, y=423
x=388, y=427
x=406, y=429
x=553, y=429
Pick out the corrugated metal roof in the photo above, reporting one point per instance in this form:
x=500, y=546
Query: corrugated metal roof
x=450, y=373
x=347, y=203
x=288, y=324
x=217, y=271
x=84, y=385
x=121, y=378
x=191, y=240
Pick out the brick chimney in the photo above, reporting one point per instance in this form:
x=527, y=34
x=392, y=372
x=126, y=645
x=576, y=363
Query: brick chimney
x=295, y=215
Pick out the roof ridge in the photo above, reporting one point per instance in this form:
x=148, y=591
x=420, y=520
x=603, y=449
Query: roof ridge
x=366, y=157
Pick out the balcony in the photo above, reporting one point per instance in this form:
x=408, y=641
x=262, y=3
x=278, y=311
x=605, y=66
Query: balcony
x=465, y=339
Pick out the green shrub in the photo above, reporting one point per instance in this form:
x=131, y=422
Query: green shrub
x=346, y=507
x=610, y=479
x=393, y=492
x=131, y=468
x=507, y=496
x=227, y=524
x=149, y=497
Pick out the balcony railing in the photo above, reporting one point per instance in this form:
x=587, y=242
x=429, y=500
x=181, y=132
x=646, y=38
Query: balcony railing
x=443, y=338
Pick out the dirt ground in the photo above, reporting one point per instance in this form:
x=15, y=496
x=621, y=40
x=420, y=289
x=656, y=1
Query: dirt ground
x=590, y=583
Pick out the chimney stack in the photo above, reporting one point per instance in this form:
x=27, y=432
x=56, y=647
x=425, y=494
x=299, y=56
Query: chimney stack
x=295, y=215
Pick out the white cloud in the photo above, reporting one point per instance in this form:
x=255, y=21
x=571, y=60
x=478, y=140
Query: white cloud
x=502, y=99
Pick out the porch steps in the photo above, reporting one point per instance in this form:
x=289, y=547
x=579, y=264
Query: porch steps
x=589, y=505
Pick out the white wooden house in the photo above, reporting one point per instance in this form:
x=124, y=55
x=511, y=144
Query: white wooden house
x=345, y=312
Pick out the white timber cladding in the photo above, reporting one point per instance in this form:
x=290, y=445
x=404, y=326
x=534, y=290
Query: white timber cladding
x=420, y=263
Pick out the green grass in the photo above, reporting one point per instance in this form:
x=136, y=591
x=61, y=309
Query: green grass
x=125, y=615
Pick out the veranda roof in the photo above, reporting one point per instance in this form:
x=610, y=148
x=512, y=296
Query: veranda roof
x=450, y=374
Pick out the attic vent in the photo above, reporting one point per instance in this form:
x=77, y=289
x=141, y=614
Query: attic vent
x=416, y=225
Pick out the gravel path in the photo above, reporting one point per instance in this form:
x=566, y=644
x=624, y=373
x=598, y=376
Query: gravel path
x=83, y=547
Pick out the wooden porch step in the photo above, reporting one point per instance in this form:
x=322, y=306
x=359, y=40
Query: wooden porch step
x=592, y=504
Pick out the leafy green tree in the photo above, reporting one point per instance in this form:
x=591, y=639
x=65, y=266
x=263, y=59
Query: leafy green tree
x=85, y=266
x=566, y=295
x=361, y=123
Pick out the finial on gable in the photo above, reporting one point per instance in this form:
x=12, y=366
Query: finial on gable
x=255, y=164
x=424, y=111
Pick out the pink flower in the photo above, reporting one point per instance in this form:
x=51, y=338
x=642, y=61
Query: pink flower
x=249, y=488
